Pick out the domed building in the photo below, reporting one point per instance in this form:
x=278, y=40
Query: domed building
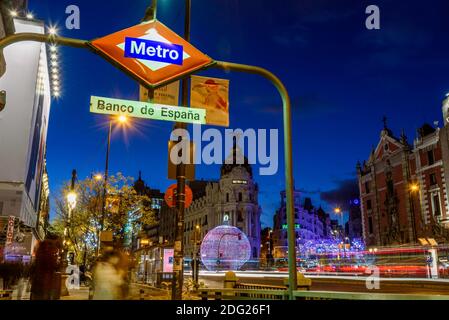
x=232, y=200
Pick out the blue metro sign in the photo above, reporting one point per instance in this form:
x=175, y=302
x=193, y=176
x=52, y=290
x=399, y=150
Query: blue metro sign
x=153, y=50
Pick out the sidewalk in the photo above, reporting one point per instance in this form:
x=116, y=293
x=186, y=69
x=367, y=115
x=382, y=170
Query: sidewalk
x=149, y=293
x=77, y=294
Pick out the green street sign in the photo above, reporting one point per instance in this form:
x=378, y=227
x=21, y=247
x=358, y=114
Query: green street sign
x=146, y=110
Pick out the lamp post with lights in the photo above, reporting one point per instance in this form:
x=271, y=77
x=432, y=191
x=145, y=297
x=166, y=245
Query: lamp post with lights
x=339, y=212
x=71, y=204
x=413, y=190
x=195, y=256
x=122, y=120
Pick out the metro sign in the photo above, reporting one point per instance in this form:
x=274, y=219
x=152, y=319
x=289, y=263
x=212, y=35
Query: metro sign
x=151, y=53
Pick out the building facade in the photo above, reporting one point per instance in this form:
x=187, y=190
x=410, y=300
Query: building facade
x=404, y=189
x=150, y=232
x=310, y=224
x=23, y=128
x=232, y=200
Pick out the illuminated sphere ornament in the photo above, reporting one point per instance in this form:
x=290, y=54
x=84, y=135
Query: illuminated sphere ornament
x=225, y=248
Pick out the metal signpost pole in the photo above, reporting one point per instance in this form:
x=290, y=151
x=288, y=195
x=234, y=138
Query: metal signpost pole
x=228, y=66
x=178, y=265
x=105, y=191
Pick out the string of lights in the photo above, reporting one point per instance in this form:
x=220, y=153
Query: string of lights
x=54, y=66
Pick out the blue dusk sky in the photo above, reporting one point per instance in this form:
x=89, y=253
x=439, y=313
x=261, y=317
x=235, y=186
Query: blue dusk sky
x=342, y=78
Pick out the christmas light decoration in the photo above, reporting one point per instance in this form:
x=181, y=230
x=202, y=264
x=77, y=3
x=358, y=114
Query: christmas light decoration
x=225, y=248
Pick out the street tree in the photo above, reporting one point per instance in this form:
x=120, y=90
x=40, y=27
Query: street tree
x=126, y=213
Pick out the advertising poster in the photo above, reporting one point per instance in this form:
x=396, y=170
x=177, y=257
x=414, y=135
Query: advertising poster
x=211, y=94
x=168, y=260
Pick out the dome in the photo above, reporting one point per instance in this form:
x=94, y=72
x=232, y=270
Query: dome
x=225, y=248
x=234, y=160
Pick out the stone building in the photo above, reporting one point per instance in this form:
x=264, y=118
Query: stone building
x=232, y=200
x=24, y=115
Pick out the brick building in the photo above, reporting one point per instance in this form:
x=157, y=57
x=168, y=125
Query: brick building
x=403, y=187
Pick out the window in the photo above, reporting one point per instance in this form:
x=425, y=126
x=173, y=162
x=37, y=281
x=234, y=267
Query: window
x=227, y=197
x=205, y=221
x=390, y=187
x=370, y=225
x=436, y=204
x=430, y=157
x=386, y=147
x=367, y=189
x=254, y=252
x=240, y=196
x=433, y=179
x=369, y=205
x=240, y=216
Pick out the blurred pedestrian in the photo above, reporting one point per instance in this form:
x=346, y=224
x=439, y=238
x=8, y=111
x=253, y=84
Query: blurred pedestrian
x=123, y=267
x=107, y=278
x=44, y=278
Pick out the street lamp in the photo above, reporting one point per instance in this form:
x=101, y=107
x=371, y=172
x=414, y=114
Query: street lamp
x=71, y=200
x=195, y=262
x=71, y=204
x=270, y=239
x=414, y=190
x=339, y=212
x=145, y=243
x=122, y=120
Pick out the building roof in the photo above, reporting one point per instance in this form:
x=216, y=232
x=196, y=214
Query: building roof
x=426, y=130
x=198, y=188
x=233, y=160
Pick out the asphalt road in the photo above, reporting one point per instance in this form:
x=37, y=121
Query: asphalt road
x=341, y=284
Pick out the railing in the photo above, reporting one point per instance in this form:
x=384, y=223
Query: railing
x=259, y=291
x=332, y=295
x=242, y=294
x=252, y=294
x=253, y=286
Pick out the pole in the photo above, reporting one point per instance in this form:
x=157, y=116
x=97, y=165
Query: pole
x=146, y=252
x=412, y=209
x=229, y=66
x=194, y=261
x=178, y=265
x=105, y=185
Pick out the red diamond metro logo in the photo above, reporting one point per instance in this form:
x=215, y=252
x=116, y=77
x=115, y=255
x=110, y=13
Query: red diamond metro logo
x=151, y=53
